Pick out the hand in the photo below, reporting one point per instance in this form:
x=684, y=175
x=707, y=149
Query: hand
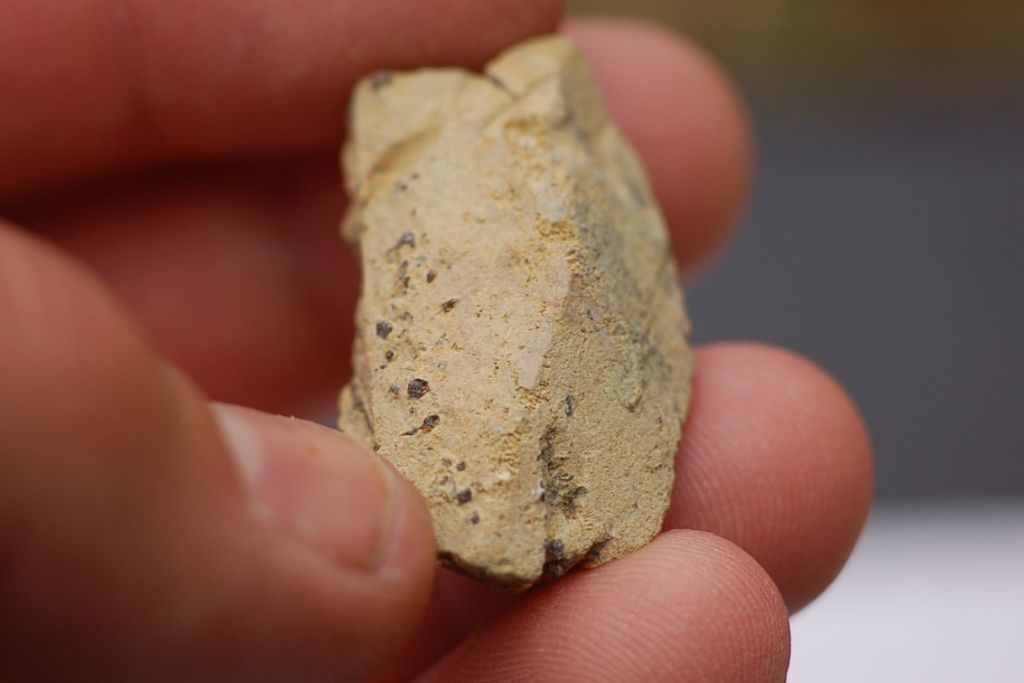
x=172, y=169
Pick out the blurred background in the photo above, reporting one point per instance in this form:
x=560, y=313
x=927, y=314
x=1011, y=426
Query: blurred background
x=885, y=240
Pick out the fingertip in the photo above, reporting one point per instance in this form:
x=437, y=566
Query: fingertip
x=686, y=120
x=347, y=542
x=753, y=623
x=688, y=606
x=410, y=559
x=328, y=491
x=686, y=580
x=775, y=458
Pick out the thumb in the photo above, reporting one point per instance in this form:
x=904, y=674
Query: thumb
x=147, y=536
x=345, y=531
x=318, y=490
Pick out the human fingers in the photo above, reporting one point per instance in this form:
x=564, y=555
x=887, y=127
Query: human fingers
x=140, y=539
x=687, y=607
x=776, y=459
x=125, y=83
x=239, y=276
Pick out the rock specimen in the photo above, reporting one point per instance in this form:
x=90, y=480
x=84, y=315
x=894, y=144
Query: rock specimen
x=521, y=348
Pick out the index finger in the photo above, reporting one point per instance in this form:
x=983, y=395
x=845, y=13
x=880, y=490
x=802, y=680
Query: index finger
x=121, y=83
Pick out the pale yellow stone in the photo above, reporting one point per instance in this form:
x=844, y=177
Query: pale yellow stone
x=521, y=351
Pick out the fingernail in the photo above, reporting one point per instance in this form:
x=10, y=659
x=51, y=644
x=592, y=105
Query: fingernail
x=313, y=482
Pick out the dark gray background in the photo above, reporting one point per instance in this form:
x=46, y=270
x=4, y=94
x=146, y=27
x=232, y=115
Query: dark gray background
x=885, y=238
x=888, y=247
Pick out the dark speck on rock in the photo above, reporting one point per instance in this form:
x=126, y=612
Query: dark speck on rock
x=380, y=79
x=464, y=496
x=431, y=275
x=429, y=422
x=461, y=467
x=449, y=305
x=554, y=549
x=475, y=519
x=383, y=329
x=418, y=388
x=407, y=239
x=553, y=569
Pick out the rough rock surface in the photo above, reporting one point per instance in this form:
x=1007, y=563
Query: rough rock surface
x=521, y=349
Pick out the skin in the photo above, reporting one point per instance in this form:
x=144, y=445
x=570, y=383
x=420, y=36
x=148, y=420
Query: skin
x=169, y=203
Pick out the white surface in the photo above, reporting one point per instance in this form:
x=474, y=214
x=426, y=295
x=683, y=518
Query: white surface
x=933, y=593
